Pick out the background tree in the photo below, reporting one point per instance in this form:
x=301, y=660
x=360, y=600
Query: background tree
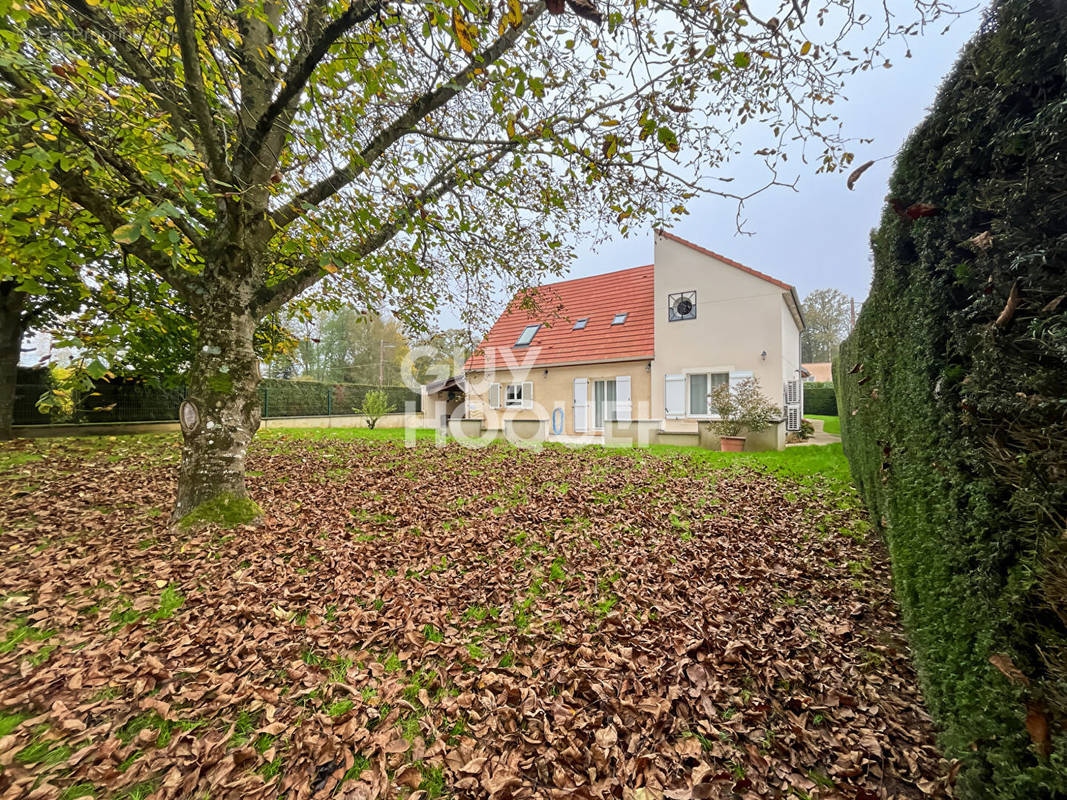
x=346, y=346
x=45, y=243
x=826, y=322
x=359, y=348
x=441, y=354
x=21, y=310
x=244, y=151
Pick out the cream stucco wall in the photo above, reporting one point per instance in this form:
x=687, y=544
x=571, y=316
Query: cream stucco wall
x=739, y=316
x=790, y=349
x=553, y=387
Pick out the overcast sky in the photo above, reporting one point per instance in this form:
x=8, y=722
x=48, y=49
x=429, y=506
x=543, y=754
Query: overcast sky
x=819, y=235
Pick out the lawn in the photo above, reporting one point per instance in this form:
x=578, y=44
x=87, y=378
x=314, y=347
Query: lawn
x=442, y=622
x=830, y=424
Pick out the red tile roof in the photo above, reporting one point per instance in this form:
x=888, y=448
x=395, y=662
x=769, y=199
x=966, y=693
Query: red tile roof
x=559, y=306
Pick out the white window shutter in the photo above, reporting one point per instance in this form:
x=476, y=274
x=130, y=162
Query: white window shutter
x=792, y=392
x=494, y=395
x=623, y=405
x=792, y=417
x=740, y=375
x=581, y=404
x=527, y=394
x=674, y=396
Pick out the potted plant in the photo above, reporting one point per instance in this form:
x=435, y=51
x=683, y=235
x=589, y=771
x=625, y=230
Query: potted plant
x=741, y=408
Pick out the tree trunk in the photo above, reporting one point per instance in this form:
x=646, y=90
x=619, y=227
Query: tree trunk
x=11, y=331
x=219, y=418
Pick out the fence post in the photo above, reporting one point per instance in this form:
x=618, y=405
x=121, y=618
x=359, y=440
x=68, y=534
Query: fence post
x=329, y=401
x=266, y=402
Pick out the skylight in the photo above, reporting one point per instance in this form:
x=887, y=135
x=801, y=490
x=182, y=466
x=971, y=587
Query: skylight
x=527, y=335
x=619, y=319
x=580, y=324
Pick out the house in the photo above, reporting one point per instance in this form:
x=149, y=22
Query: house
x=643, y=345
x=818, y=372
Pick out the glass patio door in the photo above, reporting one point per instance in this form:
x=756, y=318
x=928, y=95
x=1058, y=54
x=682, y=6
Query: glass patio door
x=603, y=403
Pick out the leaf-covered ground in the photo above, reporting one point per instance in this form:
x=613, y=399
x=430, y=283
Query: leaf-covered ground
x=448, y=623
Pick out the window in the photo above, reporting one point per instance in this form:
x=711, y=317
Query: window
x=580, y=324
x=603, y=403
x=527, y=335
x=700, y=386
x=513, y=395
x=681, y=305
x=619, y=319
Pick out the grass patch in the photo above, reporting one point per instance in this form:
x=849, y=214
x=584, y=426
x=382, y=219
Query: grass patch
x=830, y=424
x=433, y=781
x=169, y=602
x=360, y=763
x=340, y=707
x=8, y=722
x=139, y=791
x=43, y=753
x=825, y=461
x=79, y=790
x=16, y=459
x=23, y=633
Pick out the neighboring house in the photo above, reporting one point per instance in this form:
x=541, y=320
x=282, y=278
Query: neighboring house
x=819, y=372
x=647, y=343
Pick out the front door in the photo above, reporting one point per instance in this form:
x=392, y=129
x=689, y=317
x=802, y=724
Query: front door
x=603, y=403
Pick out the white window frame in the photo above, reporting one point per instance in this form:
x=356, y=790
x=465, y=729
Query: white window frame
x=580, y=324
x=611, y=410
x=517, y=400
x=689, y=392
x=620, y=318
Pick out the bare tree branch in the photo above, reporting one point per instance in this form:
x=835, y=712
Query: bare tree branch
x=185, y=19
x=141, y=71
x=270, y=298
x=423, y=105
x=79, y=190
x=299, y=73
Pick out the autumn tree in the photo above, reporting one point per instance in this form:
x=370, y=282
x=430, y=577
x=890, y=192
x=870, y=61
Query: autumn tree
x=44, y=245
x=246, y=151
x=826, y=321
x=439, y=354
x=21, y=310
x=349, y=347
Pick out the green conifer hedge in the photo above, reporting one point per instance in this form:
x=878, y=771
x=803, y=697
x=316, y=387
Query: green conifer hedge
x=820, y=398
x=952, y=393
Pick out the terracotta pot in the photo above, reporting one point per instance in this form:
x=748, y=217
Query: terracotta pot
x=732, y=444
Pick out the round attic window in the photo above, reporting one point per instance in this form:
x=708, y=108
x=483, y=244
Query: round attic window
x=682, y=305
